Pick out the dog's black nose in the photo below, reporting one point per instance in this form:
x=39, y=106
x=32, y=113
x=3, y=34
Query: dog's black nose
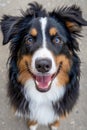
x=43, y=65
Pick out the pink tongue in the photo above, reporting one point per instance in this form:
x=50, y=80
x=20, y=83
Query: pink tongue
x=43, y=81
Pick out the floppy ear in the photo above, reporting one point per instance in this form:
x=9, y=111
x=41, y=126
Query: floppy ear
x=71, y=17
x=8, y=27
x=9, y=24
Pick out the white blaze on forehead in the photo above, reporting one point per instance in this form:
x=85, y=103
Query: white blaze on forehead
x=43, y=22
x=43, y=52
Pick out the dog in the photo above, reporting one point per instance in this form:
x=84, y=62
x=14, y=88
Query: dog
x=44, y=66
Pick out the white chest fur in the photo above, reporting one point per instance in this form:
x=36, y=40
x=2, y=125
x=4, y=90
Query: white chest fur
x=40, y=104
x=43, y=113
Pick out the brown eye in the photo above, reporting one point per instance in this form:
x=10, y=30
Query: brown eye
x=56, y=40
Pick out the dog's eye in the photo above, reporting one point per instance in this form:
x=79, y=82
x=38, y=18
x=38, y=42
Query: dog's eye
x=56, y=40
x=30, y=39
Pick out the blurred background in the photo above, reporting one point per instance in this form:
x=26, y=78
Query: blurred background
x=77, y=120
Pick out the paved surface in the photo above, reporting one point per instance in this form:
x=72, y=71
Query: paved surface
x=77, y=120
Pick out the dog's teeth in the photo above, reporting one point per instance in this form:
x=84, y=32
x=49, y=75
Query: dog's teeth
x=49, y=83
x=37, y=83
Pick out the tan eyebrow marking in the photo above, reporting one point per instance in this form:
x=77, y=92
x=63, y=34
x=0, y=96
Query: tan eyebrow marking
x=53, y=31
x=33, y=32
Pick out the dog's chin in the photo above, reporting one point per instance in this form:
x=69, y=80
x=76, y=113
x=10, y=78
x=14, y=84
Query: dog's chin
x=43, y=82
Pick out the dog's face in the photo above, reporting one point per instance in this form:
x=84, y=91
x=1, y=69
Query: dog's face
x=43, y=56
x=43, y=46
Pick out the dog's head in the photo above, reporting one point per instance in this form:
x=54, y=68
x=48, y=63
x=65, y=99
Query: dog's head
x=43, y=44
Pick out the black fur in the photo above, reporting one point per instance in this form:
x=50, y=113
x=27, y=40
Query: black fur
x=72, y=90
x=14, y=29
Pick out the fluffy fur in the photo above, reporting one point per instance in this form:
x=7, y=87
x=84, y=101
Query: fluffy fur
x=39, y=34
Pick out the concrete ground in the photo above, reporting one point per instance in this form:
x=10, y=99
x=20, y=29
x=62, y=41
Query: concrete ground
x=77, y=120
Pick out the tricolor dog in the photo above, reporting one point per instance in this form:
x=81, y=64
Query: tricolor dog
x=44, y=67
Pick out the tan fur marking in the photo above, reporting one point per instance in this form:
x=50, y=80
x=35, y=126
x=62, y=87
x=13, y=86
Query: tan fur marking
x=72, y=26
x=69, y=24
x=24, y=74
x=55, y=124
x=63, y=77
x=64, y=116
x=24, y=77
x=53, y=31
x=33, y=32
x=31, y=123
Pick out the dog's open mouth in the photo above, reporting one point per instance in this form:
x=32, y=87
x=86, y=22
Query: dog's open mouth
x=43, y=82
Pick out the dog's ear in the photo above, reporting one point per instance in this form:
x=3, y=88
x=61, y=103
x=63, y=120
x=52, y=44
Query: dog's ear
x=71, y=17
x=10, y=24
x=7, y=27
